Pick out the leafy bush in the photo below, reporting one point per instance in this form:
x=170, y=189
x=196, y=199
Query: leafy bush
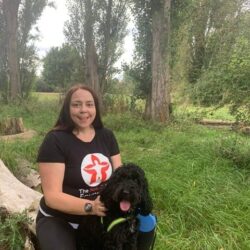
x=236, y=150
x=208, y=90
x=13, y=230
x=227, y=83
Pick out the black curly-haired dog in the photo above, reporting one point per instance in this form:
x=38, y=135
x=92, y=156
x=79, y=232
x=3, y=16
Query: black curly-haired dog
x=125, y=196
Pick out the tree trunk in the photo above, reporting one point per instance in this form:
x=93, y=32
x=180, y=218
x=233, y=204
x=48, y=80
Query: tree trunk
x=107, y=40
x=160, y=98
x=91, y=55
x=11, y=15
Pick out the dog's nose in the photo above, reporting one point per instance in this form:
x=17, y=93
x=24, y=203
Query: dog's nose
x=125, y=191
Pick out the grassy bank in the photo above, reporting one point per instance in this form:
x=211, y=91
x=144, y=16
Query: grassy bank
x=199, y=177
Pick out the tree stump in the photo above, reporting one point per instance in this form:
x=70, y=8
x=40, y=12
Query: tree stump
x=10, y=126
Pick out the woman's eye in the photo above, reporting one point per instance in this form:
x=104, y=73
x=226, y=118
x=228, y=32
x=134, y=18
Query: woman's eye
x=76, y=105
x=90, y=104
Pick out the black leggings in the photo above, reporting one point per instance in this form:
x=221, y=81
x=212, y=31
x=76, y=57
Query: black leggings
x=57, y=234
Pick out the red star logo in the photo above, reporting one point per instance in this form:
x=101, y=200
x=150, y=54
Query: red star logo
x=97, y=169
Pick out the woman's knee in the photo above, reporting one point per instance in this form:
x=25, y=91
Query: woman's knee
x=54, y=233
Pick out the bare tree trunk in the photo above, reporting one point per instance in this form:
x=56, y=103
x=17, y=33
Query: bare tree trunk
x=10, y=8
x=160, y=98
x=92, y=66
x=92, y=77
x=107, y=38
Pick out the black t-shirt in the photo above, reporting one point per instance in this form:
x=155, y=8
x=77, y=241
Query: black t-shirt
x=87, y=164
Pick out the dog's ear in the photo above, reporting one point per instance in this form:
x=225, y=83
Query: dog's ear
x=146, y=204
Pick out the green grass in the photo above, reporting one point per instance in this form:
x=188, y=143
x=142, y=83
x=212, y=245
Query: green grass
x=199, y=177
x=44, y=96
x=12, y=231
x=221, y=113
x=200, y=199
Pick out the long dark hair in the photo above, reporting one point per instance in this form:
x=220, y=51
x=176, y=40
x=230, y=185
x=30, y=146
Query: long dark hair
x=64, y=121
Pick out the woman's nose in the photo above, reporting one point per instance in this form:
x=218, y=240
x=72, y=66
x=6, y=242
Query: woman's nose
x=83, y=108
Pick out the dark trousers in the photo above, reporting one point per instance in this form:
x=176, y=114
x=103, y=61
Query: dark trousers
x=56, y=234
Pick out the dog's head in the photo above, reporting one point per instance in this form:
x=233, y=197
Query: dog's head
x=127, y=191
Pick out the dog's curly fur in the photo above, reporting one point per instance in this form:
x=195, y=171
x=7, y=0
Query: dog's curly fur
x=128, y=183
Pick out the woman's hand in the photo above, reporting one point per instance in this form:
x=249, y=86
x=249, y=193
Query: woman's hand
x=98, y=207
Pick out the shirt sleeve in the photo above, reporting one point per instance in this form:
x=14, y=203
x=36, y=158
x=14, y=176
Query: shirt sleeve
x=51, y=149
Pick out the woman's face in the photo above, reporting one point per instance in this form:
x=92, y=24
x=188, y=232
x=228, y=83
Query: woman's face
x=82, y=109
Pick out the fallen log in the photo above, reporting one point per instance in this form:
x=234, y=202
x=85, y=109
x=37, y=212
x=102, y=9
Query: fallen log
x=15, y=197
x=27, y=175
x=216, y=122
x=236, y=126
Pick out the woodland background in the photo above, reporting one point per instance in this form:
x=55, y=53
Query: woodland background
x=191, y=61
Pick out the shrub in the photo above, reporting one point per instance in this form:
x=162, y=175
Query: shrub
x=236, y=150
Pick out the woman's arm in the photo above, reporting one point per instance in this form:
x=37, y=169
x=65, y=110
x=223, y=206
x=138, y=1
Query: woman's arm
x=52, y=175
x=116, y=161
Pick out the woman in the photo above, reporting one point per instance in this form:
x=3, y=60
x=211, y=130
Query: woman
x=75, y=160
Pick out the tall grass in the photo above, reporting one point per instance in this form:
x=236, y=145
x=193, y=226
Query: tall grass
x=13, y=230
x=201, y=195
x=199, y=178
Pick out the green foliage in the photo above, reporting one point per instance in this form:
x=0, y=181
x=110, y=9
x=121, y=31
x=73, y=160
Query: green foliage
x=140, y=69
x=123, y=122
x=62, y=66
x=29, y=12
x=212, y=33
x=187, y=113
x=13, y=230
x=209, y=89
x=210, y=48
x=235, y=149
x=227, y=83
x=120, y=103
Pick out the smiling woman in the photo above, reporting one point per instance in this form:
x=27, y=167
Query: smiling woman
x=75, y=161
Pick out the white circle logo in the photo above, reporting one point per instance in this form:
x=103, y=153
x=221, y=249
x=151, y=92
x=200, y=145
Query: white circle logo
x=95, y=168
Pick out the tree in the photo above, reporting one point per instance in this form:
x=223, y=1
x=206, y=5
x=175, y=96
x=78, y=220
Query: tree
x=140, y=69
x=18, y=60
x=61, y=67
x=91, y=57
x=10, y=10
x=160, y=94
x=209, y=26
x=211, y=44
x=151, y=66
x=96, y=29
x=3, y=56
